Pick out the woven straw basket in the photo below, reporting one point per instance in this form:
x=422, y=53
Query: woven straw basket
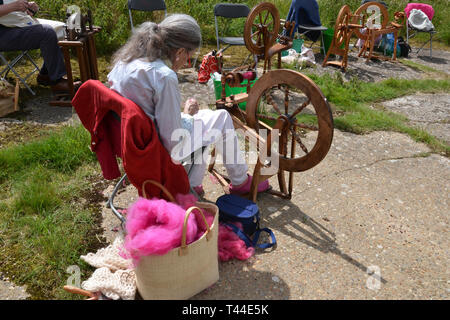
x=185, y=271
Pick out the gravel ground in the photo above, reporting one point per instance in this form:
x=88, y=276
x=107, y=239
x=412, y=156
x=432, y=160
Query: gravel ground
x=378, y=70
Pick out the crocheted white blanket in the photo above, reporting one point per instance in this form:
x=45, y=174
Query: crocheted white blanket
x=115, y=277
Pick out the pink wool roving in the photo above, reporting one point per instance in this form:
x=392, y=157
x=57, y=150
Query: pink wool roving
x=154, y=227
x=231, y=246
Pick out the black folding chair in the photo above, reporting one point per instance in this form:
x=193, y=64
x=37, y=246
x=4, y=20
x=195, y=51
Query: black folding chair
x=9, y=66
x=146, y=5
x=229, y=11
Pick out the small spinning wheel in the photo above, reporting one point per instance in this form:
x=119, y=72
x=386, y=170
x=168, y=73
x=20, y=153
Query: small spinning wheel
x=343, y=30
x=377, y=17
x=261, y=28
x=377, y=24
x=341, y=26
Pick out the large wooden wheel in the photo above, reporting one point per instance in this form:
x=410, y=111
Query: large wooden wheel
x=261, y=28
x=294, y=104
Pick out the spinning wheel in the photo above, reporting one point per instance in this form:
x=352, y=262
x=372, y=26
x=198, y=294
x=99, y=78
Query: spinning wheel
x=286, y=115
x=377, y=24
x=341, y=26
x=342, y=33
x=292, y=103
x=261, y=28
x=377, y=17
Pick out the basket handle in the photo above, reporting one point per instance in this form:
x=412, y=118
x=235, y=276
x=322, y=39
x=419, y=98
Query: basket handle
x=183, y=249
x=159, y=185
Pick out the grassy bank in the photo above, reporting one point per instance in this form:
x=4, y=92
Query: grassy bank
x=112, y=16
x=49, y=212
x=355, y=105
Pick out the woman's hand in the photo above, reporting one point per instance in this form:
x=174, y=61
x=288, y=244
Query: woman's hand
x=19, y=5
x=191, y=106
x=33, y=8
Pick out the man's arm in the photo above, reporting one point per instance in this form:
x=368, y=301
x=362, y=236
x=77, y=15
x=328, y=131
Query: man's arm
x=19, y=5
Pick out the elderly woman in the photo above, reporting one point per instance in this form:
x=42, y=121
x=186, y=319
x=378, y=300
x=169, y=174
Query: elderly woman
x=144, y=71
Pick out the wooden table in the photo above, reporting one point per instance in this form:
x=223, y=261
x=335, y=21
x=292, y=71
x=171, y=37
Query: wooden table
x=86, y=54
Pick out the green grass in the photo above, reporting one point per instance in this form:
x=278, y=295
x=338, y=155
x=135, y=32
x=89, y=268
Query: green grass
x=46, y=216
x=351, y=102
x=419, y=66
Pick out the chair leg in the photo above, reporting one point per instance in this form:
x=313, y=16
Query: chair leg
x=110, y=202
x=431, y=45
x=323, y=43
x=10, y=67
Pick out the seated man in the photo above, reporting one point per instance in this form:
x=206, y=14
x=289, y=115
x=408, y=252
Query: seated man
x=20, y=31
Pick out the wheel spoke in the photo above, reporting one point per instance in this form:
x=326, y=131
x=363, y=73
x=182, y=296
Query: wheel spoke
x=273, y=103
x=299, y=109
x=265, y=117
x=306, y=126
x=299, y=141
x=286, y=100
x=267, y=15
x=254, y=34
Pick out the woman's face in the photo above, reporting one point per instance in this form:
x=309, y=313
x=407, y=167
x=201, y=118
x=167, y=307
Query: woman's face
x=181, y=56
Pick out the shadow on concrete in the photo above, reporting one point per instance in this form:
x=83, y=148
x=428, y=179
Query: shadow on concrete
x=236, y=284
x=435, y=60
x=309, y=231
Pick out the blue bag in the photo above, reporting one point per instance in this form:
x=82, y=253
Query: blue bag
x=233, y=208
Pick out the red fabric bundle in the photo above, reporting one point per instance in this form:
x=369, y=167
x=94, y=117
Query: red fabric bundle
x=137, y=143
x=210, y=64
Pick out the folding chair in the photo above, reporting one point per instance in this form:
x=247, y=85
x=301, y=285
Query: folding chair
x=229, y=11
x=10, y=67
x=306, y=15
x=411, y=31
x=145, y=5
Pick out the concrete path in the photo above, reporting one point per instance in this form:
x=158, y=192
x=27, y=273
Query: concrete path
x=431, y=112
x=369, y=222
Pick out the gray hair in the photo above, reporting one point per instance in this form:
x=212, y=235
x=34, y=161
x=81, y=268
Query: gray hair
x=158, y=41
